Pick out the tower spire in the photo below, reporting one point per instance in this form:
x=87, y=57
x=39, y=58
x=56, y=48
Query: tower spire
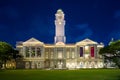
x=59, y=25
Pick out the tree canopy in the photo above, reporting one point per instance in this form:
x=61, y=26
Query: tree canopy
x=112, y=52
x=7, y=52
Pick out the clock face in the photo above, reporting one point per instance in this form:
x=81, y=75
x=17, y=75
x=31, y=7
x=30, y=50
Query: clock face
x=60, y=17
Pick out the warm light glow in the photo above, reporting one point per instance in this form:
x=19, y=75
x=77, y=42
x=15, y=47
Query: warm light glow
x=59, y=22
x=59, y=54
x=86, y=55
x=86, y=47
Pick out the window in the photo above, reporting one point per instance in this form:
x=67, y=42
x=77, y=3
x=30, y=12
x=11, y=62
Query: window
x=51, y=54
x=73, y=52
x=81, y=51
x=27, y=51
x=68, y=54
x=73, y=55
x=46, y=54
x=33, y=52
x=87, y=50
x=60, y=54
x=38, y=52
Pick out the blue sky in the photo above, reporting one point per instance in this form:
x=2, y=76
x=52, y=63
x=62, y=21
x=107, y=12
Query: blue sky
x=98, y=20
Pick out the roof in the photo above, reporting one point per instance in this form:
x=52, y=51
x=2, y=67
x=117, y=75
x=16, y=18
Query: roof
x=60, y=43
x=32, y=42
x=85, y=42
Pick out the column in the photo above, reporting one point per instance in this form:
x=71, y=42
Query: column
x=62, y=50
x=54, y=53
x=63, y=53
x=69, y=53
x=35, y=51
x=24, y=51
x=30, y=51
x=96, y=54
x=77, y=51
x=42, y=52
x=84, y=52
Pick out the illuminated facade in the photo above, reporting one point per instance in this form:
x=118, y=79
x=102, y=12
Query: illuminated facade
x=38, y=55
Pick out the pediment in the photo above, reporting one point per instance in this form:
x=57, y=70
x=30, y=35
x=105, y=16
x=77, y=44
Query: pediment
x=60, y=43
x=32, y=41
x=85, y=42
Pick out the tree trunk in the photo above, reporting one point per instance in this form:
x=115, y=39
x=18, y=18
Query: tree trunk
x=118, y=66
x=0, y=65
x=5, y=64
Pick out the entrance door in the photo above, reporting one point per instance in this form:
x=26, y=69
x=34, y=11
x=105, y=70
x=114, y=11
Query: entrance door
x=60, y=64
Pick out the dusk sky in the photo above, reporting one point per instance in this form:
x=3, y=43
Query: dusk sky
x=98, y=20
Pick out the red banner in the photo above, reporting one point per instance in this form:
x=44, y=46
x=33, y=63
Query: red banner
x=92, y=51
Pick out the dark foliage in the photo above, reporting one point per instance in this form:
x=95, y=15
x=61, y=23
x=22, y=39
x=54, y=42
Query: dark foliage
x=112, y=53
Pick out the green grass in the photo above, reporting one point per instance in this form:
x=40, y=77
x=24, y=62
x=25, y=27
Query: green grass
x=84, y=74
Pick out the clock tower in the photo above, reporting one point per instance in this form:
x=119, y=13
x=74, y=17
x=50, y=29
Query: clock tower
x=59, y=27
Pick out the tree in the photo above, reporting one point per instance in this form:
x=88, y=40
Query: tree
x=16, y=55
x=7, y=52
x=112, y=53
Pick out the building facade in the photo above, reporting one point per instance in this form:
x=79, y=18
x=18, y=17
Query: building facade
x=38, y=55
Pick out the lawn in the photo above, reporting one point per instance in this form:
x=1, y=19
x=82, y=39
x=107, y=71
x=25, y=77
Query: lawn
x=84, y=74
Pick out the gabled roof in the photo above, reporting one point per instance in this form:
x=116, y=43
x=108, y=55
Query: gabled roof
x=32, y=42
x=86, y=41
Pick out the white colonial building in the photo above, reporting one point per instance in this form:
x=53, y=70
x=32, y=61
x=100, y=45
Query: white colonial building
x=38, y=55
